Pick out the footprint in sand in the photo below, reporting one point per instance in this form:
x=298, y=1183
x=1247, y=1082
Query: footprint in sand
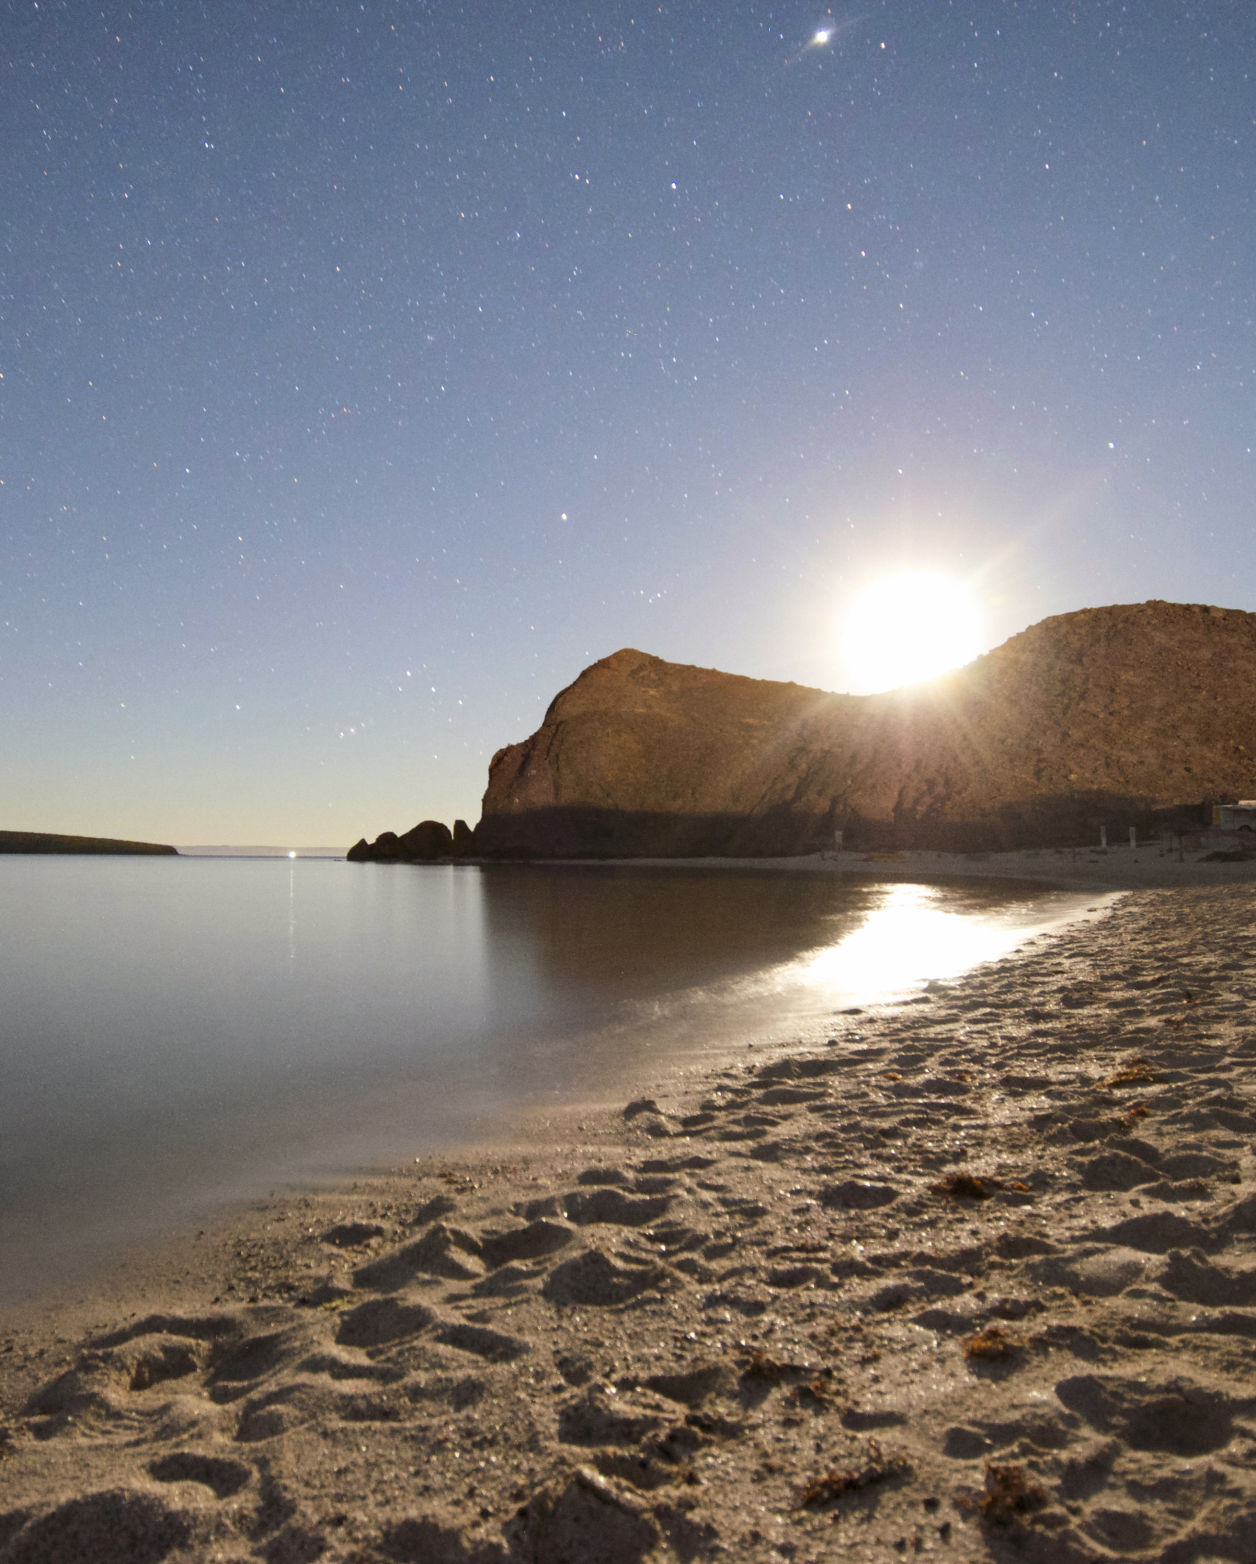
x=593, y=1279
x=222, y=1477
x=1175, y=1416
x=114, y=1527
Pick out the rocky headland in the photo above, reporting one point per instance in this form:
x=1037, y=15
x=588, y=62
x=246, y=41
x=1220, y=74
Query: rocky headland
x=49, y=842
x=1120, y=716
x=1132, y=715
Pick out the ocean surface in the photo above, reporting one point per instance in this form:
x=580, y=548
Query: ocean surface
x=179, y=1033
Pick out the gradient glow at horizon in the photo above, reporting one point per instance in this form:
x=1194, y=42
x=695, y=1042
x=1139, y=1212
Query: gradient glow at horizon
x=369, y=370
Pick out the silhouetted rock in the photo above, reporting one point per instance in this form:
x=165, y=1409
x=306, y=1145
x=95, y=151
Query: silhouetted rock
x=46, y=842
x=1117, y=716
x=426, y=842
x=428, y=839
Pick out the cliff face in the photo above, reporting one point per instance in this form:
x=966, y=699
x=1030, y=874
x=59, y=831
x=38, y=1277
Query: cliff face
x=1106, y=716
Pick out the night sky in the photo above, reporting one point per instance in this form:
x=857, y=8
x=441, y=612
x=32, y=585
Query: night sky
x=369, y=370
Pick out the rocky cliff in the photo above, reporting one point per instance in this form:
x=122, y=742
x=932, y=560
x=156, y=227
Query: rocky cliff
x=1114, y=716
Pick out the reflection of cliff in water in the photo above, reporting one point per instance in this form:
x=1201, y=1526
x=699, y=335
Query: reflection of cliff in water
x=611, y=933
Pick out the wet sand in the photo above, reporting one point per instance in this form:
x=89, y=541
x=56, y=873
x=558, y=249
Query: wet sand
x=967, y=1277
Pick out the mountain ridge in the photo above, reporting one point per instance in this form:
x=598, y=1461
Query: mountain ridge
x=1123, y=714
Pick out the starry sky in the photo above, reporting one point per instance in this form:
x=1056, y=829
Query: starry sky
x=370, y=369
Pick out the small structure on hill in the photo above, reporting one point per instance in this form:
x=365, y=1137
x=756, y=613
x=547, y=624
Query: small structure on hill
x=1235, y=817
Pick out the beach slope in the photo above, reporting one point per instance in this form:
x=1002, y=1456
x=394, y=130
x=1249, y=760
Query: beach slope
x=972, y=1277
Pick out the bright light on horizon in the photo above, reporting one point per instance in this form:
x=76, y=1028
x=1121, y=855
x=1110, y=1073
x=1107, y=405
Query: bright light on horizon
x=906, y=628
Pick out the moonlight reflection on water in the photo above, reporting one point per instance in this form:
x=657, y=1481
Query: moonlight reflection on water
x=912, y=936
x=185, y=1032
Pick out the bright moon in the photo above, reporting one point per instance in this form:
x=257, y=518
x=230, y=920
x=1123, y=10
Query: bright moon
x=907, y=628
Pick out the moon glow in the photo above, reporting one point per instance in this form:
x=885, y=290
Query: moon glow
x=906, y=628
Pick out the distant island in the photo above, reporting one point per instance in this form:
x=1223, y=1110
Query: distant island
x=1132, y=716
x=48, y=842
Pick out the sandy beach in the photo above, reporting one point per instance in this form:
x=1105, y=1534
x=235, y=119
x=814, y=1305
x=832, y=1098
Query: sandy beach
x=971, y=1276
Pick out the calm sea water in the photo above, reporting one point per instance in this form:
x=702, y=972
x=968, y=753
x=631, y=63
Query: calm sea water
x=177, y=1033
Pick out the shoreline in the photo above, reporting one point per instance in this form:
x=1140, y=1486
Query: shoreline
x=1214, y=858
x=1150, y=866
x=972, y=1275
x=62, y=1251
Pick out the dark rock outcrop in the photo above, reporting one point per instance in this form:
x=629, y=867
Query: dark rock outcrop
x=428, y=842
x=1126, y=715
x=428, y=839
x=47, y=842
